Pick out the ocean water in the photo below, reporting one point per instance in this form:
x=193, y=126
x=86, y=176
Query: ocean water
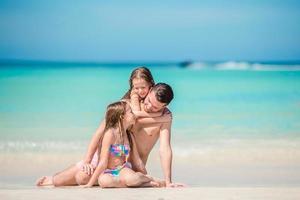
x=229, y=112
x=37, y=101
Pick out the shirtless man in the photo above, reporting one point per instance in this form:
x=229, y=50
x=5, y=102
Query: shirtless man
x=146, y=136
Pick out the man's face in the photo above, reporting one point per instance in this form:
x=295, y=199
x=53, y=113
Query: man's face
x=151, y=104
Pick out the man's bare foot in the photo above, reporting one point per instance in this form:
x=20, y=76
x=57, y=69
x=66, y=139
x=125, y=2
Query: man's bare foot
x=177, y=185
x=149, y=184
x=154, y=184
x=44, y=181
x=160, y=182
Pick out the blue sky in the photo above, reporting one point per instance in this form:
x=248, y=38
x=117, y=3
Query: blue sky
x=149, y=31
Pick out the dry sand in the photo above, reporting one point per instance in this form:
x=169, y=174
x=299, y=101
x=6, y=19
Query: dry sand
x=211, y=193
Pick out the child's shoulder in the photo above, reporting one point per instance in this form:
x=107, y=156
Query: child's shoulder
x=110, y=133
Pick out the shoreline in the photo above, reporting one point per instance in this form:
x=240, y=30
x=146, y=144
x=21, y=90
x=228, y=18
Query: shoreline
x=241, y=163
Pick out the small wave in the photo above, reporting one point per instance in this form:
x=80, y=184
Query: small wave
x=197, y=65
x=233, y=66
x=243, y=65
x=267, y=67
x=38, y=146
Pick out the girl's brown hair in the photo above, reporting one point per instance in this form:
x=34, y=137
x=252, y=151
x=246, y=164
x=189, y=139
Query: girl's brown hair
x=114, y=115
x=140, y=73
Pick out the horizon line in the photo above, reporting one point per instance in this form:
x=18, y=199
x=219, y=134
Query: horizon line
x=166, y=62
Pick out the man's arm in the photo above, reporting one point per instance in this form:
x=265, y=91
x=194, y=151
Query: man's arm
x=165, y=151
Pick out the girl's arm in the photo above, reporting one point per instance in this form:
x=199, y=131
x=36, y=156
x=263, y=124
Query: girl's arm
x=136, y=159
x=94, y=143
x=104, y=156
x=134, y=101
x=162, y=119
x=141, y=114
x=136, y=107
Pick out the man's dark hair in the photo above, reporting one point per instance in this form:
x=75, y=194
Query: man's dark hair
x=163, y=93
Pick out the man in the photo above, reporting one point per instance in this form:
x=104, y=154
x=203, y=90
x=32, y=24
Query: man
x=146, y=135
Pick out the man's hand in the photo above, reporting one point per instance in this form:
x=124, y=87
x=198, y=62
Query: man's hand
x=88, y=169
x=174, y=185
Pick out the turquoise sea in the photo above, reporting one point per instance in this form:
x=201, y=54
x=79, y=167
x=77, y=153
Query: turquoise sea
x=220, y=110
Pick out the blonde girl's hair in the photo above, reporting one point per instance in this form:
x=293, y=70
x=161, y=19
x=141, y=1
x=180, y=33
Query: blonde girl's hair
x=140, y=73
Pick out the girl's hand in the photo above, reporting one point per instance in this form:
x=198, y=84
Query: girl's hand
x=136, y=113
x=143, y=114
x=133, y=94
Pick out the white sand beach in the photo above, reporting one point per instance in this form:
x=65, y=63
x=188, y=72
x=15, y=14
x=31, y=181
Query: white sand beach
x=74, y=193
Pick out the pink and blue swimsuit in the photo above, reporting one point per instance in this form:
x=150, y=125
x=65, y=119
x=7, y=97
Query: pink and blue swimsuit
x=119, y=150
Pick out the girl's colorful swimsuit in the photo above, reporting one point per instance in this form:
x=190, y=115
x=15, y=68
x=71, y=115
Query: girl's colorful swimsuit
x=119, y=150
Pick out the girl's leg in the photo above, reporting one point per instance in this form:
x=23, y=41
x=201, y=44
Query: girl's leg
x=63, y=178
x=136, y=179
x=66, y=177
x=109, y=181
x=44, y=181
x=82, y=178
